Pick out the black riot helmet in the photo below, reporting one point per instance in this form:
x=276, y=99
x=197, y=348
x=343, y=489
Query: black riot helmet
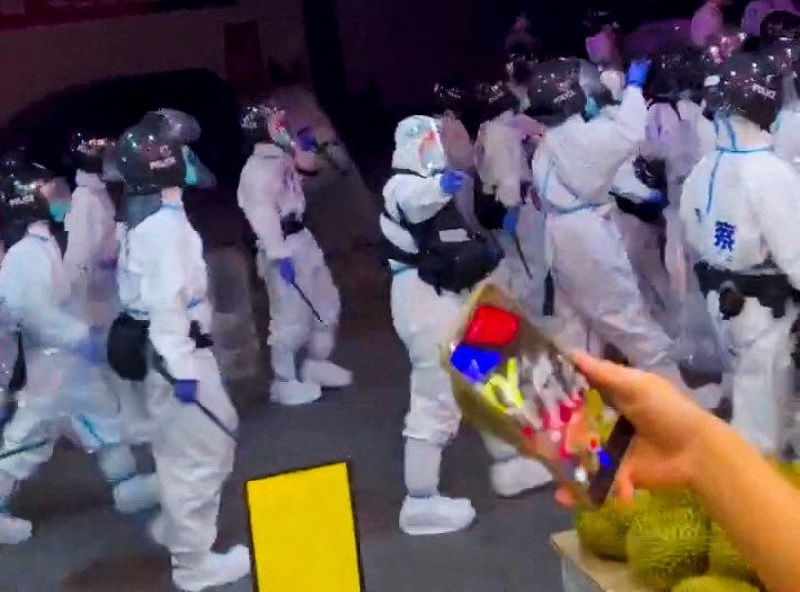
x=149, y=158
x=494, y=99
x=25, y=196
x=597, y=18
x=779, y=27
x=450, y=97
x=563, y=87
x=87, y=151
x=747, y=85
x=13, y=160
x=180, y=126
x=520, y=69
x=665, y=82
x=257, y=120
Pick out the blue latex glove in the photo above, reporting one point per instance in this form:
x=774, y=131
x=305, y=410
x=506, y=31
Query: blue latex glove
x=185, y=391
x=306, y=140
x=510, y=221
x=637, y=73
x=286, y=269
x=90, y=348
x=452, y=182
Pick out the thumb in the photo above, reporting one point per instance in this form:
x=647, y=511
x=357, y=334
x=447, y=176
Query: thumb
x=620, y=384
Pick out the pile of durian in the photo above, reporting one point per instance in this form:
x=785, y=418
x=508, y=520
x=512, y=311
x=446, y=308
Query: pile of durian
x=669, y=543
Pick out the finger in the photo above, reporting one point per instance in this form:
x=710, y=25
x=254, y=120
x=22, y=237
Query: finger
x=623, y=485
x=614, y=381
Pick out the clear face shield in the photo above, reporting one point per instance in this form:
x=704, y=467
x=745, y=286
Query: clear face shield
x=431, y=152
x=592, y=86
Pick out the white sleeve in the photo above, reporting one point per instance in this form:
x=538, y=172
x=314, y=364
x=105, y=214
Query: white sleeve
x=503, y=158
x=27, y=292
x=163, y=296
x=419, y=198
x=81, y=235
x=777, y=208
x=626, y=184
x=258, y=197
x=587, y=162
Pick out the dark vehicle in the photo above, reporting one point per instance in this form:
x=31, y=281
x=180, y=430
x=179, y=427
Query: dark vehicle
x=110, y=106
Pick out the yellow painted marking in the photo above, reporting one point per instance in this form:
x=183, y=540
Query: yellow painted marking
x=303, y=531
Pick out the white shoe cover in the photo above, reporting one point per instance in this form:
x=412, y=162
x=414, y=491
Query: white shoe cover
x=136, y=494
x=293, y=392
x=422, y=516
x=326, y=374
x=519, y=474
x=212, y=570
x=14, y=531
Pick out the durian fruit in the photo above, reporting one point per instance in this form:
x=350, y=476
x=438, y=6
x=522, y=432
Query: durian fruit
x=714, y=584
x=667, y=545
x=673, y=498
x=725, y=560
x=602, y=531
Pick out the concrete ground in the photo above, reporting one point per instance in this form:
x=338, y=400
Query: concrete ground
x=81, y=545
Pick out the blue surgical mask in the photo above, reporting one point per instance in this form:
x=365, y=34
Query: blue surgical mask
x=58, y=210
x=191, y=168
x=592, y=108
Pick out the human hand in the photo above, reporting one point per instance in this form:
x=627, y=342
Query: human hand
x=510, y=221
x=90, y=348
x=656, y=197
x=306, y=140
x=451, y=182
x=286, y=270
x=637, y=73
x=185, y=391
x=666, y=449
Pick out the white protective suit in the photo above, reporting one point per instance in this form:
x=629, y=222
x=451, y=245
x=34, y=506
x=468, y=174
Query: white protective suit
x=680, y=136
x=739, y=207
x=642, y=240
x=91, y=263
x=785, y=132
x=269, y=193
x=64, y=395
x=504, y=170
x=163, y=279
x=425, y=320
x=595, y=286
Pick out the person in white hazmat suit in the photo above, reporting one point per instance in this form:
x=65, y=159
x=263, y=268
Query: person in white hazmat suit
x=739, y=207
x=304, y=301
x=594, y=285
x=435, y=260
x=780, y=38
x=505, y=204
x=163, y=289
x=90, y=259
x=56, y=387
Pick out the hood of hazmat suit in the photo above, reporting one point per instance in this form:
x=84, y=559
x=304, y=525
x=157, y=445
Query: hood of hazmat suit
x=418, y=147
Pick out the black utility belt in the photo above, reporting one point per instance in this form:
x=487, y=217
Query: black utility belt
x=292, y=225
x=129, y=345
x=772, y=291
